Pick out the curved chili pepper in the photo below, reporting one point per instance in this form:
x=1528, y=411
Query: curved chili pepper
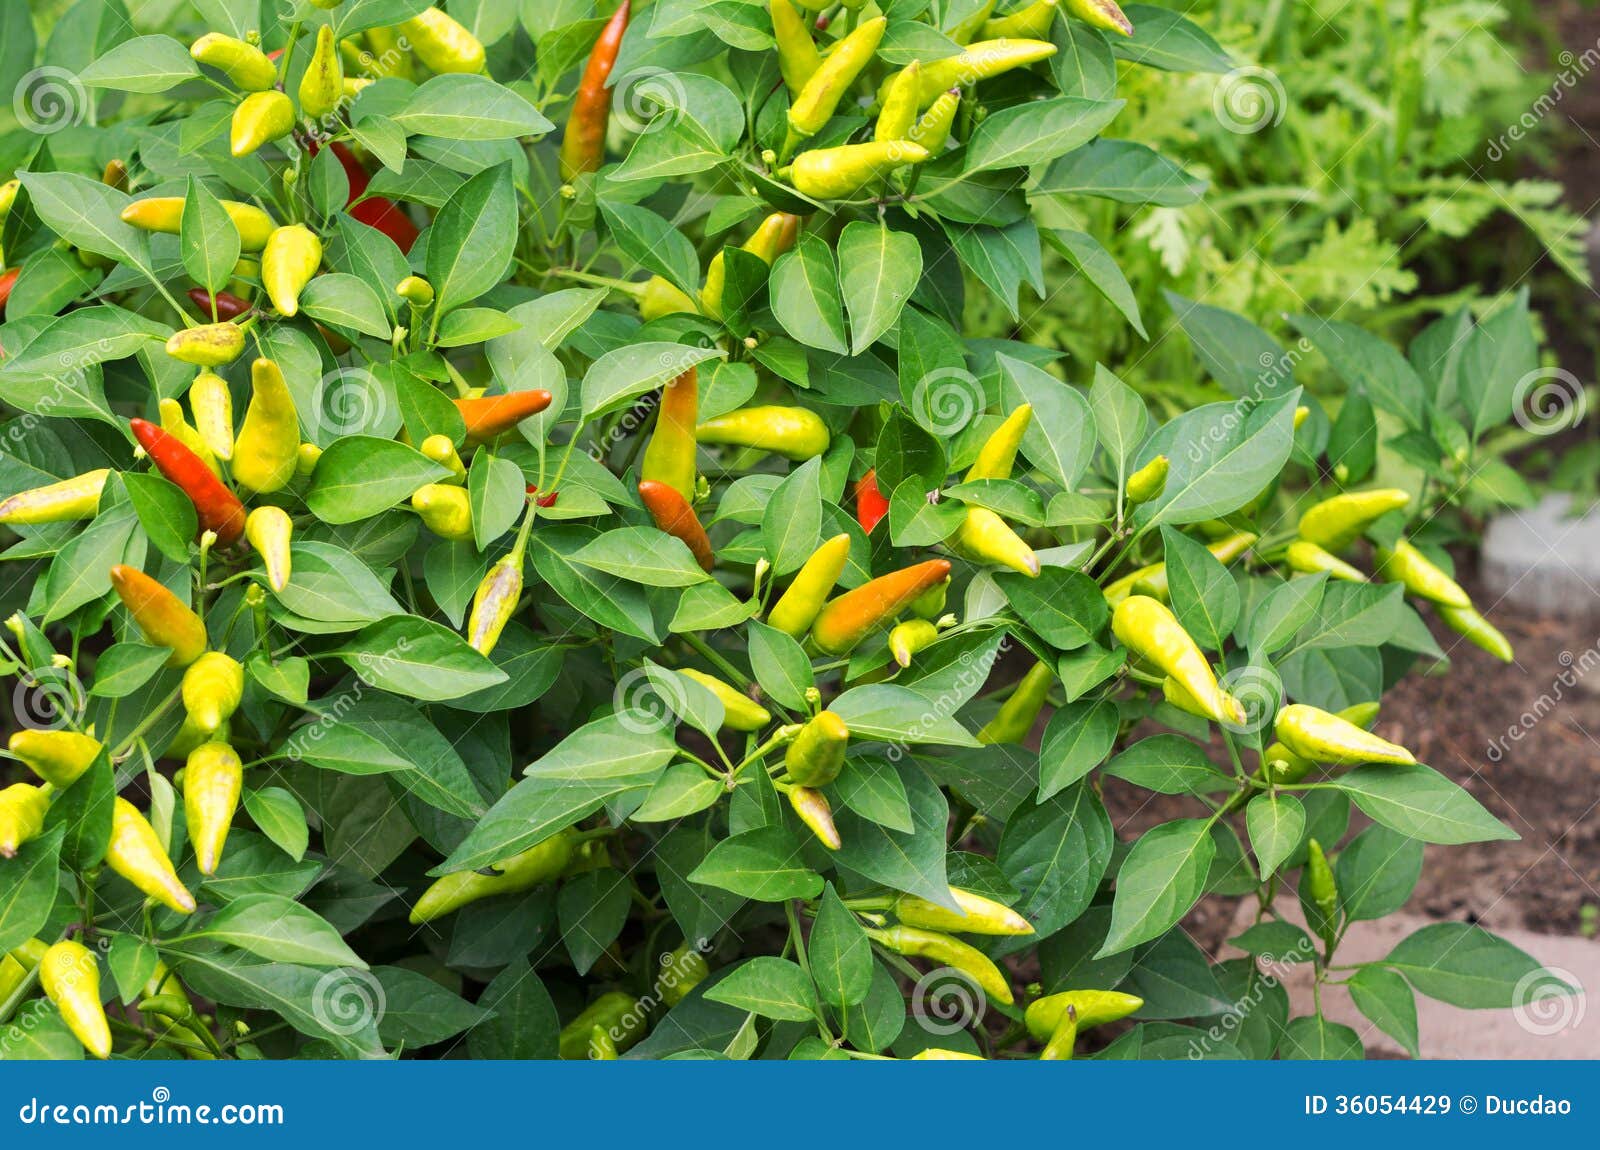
x=212, y=688
x=1337, y=522
x=850, y=618
x=269, y=438
x=243, y=63
x=543, y=862
x=488, y=415
x=1149, y=481
x=793, y=432
x=1321, y=737
x=67, y=500
x=932, y=129
x=816, y=756
x=871, y=506
x=1149, y=630
x=22, y=811
x=583, y=144
x=797, y=607
x=669, y=456
x=919, y=943
x=228, y=305
x=1287, y=767
x=441, y=43
x=980, y=61
x=1322, y=893
x=1106, y=15
x=1307, y=558
x=816, y=813
x=136, y=853
x=1475, y=629
x=1030, y=22
x=1016, y=716
x=814, y=105
x=218, y=508
x=1093, y=1008
x=907, y=638
x=260, y=118
x=978, y=915
x=1420, y=575
x=163, y=620
x=1063, y=1039
x=57, y=757
x=838, y=173
x=69, y=974
x=618, y=1016
x=163, y=995
x=798, y=58
x=213, y=778
x=673, y=515
x=683, y=970
x=269, y=529
x=739, y=711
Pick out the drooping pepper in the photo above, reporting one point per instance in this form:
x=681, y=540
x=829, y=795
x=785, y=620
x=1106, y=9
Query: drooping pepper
x=1106, y=15
x=739, y=711
x=136, y=853
x=1308, y=559
x=494, y=602
x=1030, y=22
x=900, y=108
x=1152, y=581
x=916, y=942
x=851, y=617
x=1466, y=622
x=175, y=424
x=213, y=779
x=543, y=862
x=162, y=619
x=165, y=214
x=61, y=502
x=441, y=43
x=816, y=756
x=57, y=757
x=814, y=105
x=797, y=607
x=907, y=638
x=322, y=86
x=243, y=63
x=620, y=1017
x=269, y=529
x=794, y=432
x=212, y=688
x=269, y=439
x=774, y=236
x=838, y=173
x=292, y=256
x=487, y=416
x=673, y=515
x=798, y=58
x=1322, y=893
x=260, y=119
x=669, y=456
x=932, y=129
x=212, y=404
x=22, y=810
x=442, y=451
x=446, y=510
x=1093, y=1008
x=1149, y=630
x=1421, y=576
x=871, y=506
x=984, y=537
x=227, y=305
x=1337, y=522
x=1288, y=767
x=1016, y=716
x=978, y=915
x=980, y=61
x=1315, y=734
x=164, y=997
x=208, y=345
x=583, y=144
x=997, y=458
x=816, y=813
x=1149, y=481
x=683, y=970
x=69, y=974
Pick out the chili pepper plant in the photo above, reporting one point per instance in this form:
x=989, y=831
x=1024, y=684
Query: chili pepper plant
x=512, y=553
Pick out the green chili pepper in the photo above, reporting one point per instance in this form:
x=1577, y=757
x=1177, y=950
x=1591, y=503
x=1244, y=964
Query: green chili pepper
x=980, y=61
x=1063, y=1038
x=619, y=1016
x=1015, y=718
x=1466, y=622
x=740, y=711
x=1322, y=893
x=541, y=863
x=933, y=128
x=1093, y=1008
x=978, y=915
x=798, y=58
x=918, y=943
x=793, y=432
x=1149, y=481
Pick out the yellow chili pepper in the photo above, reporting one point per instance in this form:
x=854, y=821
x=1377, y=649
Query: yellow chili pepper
x=22, y=811
x=998, y=455
x=213, y=686
x=269, y=530
x=1466, y=622
x=57, y=757
x=165, y=214
x=816, y=755
x=441, y=43
x=322, y=86
x=798, y=58
x=212, y=404
x=740, y=711
x=1031, y=22
x=1149, y=630
x=793, y=432
x=814, y=105
x=445, y=510
x=260, y=119
x=213, y=779
x=1337, y=522
x=815, y=812
x=900, y=108
x=176, y=425
x=980, y=61
x=775, y=235
x=136, y=853
x=1149, y=481
x=797, y=607
x=1093, y=1008
x=907, y=638
x=984, y=537
x=1321, y=737
x=1308, y=559
x=1016, y=716
x=620, y=1019
x=932, y=129
x=247, y=66
x=269, y=439
x=1420, y=575
x=838, y=173
x=1106, y=15
x=540, y=863
x=978, y=915
x=61, y=502
x=70, y=977
x=292, y=256
x=208, y=345
x=916, y=942
x=495, y=601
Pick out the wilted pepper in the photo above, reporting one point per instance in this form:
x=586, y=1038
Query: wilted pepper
x=61, y=502
x=1149, y=481
x=57, y=757
x=850, y=618
x=907, y=638
x=260, y=119
x=487, y=416
x=583, y=144
x=798, y=58
x=620, y=1017
x=1149, y=630
x=441, y=43
x=919, y=943
x=1308, y=559
x=292, y=256
x=22, y=811
x=162, y=619
x=1337, y=522
x=213, y=779
x=978, y=915
x=269, y=439
x=797, y=607
x=669, y=456
x=739, y=711
x=871, y=506
x=69, y=974
x=136, y=853
x=1321, y=737
x=209, y=345
x=1466, y=622
x=223, y=305
x=839, y=173
x=495, y=600
x=247, y=66
x=816, y=756
x=774, y=236
x=213, y=686
x=794, y=432
x=814, y=105
x=445, y=510
x=1420, y=575
x=814, y=811
x=165, y=214
x=212, y=404
x=322, y=86
x=673, y=515
x=543, y=862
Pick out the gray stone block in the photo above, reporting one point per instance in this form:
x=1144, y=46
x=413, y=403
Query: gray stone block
x=1544, y=560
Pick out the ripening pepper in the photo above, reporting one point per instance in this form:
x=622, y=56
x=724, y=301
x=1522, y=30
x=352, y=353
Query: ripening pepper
x=136, y=853
x=793, y=432
x=212, y=404
x=208, y=345
x=816, y=813
x=899, y=112
x=978, y=915
x=619, y=1016
x=658, y=296
x=669, y=456
x=292, y=256
x=22, y=810
x=871, y=506
x=269, y=438
x=838, y=173
x=816, y=756
x=1093, y=1008
x=814, y=105
x=57, y=757
x=260, y=119
x=1149, y=630
x=681, y=971
x=1016, y=716
x=773, y=236
x=222, y=305
x=1105, y=15
x=442, y=451
x=1321, y=893
x=543, y=862
x=165, y=214
x=162, y=619
x=1152, y=581
x=389, y=54
x=415, y=290
x=1466, y=622
x=916, y=942
x=213, y=686
x=997, y=458
x=583, y=144
x=175, y=424
x=69, y=974
x=247, y=66
x=932, y=129
x=494, y=602
x=1308, y=559
x=322, y=86
x=213, y=779
x=1149, y=481
x=798, y=58
x=445, y=510
x=1030, y=22
x=1287, y=767
x=8, y=280
x=969, y=26
x=375, y=211
x=797, y=607
x=1337, y=522
x=850, y=618
x=980, y=61
x=487, y=416
x=1421, y=576
x=739, y=711
x=269, y=530
x=1321, y=737
x=907, y=638
x=60, y=502
x=441, y=43
x=1063, y=1038
x=673, y=515
x=984, y=537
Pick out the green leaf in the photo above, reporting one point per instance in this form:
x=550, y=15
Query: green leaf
x=1064, y=608
x=1056, y=854
x=1465, y=965
x=592, y=907
x=625, y=373
x=125, y=667
x=1285, y=609
x=418, y=1011
x=770, y=987
x=1124, y=171
x=1385, y=998
x=642, y=555
x=1169, y=765
x=343, y=301
x=165, y=512
x=1220, y=458
x=764, y=864
x=1204, y=596
x=1037, y=132
x=898, y=714
x=523, y=1023
x=464, y=107
x=1060, y=439
x=417, y=658
x=281, y=818
x=840, y=953
x=804, y=293
x=1368, y=364
x=142, y=64
x=654, y=244
x=880, y=268
x=1160, y=880
x=1418, y=801
x=472, y=239
x=279, y=929
x=207, y=237
x=1166, y=39
x=1314, y=1037
x=791, y=527
x=1076, y=740
x=912, y=861
x=361, y=475
x=88, y=215
x=1277, y=824
x=28, y=887
x=780, y=665
x=132, y=962
x=498, y=496
x=1376, y=872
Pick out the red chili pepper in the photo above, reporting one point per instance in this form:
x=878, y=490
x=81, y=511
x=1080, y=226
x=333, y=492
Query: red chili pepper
x=543, y=500
x=871, y=506
x=7, y=281
x=229, y=306
x=583, y=145
x=374, y=211
x=673, y=515
x=219, y=509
